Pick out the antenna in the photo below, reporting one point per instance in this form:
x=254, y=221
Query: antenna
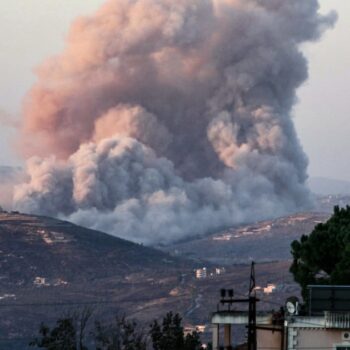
x=252, y=344
x=252, y=279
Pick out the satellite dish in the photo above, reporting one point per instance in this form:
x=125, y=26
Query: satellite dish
x=292, y=305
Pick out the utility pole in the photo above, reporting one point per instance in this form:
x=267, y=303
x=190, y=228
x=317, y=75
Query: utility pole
x=227, y=297
x=252, y=343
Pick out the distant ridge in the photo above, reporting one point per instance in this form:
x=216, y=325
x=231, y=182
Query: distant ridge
x=325, y=186
x=34, y=246
x=7, y=172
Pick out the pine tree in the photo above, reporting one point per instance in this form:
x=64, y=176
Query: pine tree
x=170, y=335
x=323, y=257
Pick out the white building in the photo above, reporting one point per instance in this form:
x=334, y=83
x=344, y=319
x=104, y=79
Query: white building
x=330, y=331
x=327, y=325
x=270, y=288
x=220, y=270
x=40, y=282
x=201, y=273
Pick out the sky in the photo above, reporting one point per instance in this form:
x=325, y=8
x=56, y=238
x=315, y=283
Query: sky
x=32, y=30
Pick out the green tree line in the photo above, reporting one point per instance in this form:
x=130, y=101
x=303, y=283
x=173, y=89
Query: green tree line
x=72, y=332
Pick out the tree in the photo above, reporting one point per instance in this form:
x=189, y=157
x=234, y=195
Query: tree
x=63, y=336
x=122, y=335
x=170, y=335
x=192, y=341
x=68, y=334
x=323, y=257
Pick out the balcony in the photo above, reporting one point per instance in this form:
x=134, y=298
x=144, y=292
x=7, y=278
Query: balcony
x=337, y=319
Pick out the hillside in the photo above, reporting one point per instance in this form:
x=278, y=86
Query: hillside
x=33, y=246
x=326, y=186
x=48, y=266
x=264, y=241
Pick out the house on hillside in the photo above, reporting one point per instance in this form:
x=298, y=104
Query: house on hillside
x=201, y=273
x=270, y=288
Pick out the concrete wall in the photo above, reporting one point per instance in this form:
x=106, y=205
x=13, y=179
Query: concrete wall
x=317, y=338
x=268, y=340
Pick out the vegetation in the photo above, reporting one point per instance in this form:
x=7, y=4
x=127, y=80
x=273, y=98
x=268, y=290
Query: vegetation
x=170, y=335
x=70, y=333
x=63, y=336
x=121, y=335
x=323, y=257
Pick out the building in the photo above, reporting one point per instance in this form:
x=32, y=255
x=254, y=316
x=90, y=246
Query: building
x=327, y=323
x=201, y=273
x=197, y=328
x=270, y=288
x=40, y=282
x=269, y=331
x=220, y=270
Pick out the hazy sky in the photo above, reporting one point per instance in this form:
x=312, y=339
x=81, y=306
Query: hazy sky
x=31, y=30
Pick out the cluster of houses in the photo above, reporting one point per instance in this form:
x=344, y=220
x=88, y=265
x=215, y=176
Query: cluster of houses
x=43, y=282
x=205, y=273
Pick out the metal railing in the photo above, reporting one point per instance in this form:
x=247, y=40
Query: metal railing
x=337, y=319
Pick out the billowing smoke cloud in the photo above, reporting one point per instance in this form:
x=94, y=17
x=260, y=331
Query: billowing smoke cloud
x=163, y=119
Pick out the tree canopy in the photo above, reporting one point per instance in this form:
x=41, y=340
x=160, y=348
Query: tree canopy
x=170, y=335
x=323, y=257
x=71, y=333
x=63, y=336
x=123, y=334
x=68, y=334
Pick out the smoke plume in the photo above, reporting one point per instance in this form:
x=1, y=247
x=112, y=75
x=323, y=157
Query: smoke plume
x=165, y=119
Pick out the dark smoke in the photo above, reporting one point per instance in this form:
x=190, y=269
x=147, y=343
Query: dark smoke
x=164, y=119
